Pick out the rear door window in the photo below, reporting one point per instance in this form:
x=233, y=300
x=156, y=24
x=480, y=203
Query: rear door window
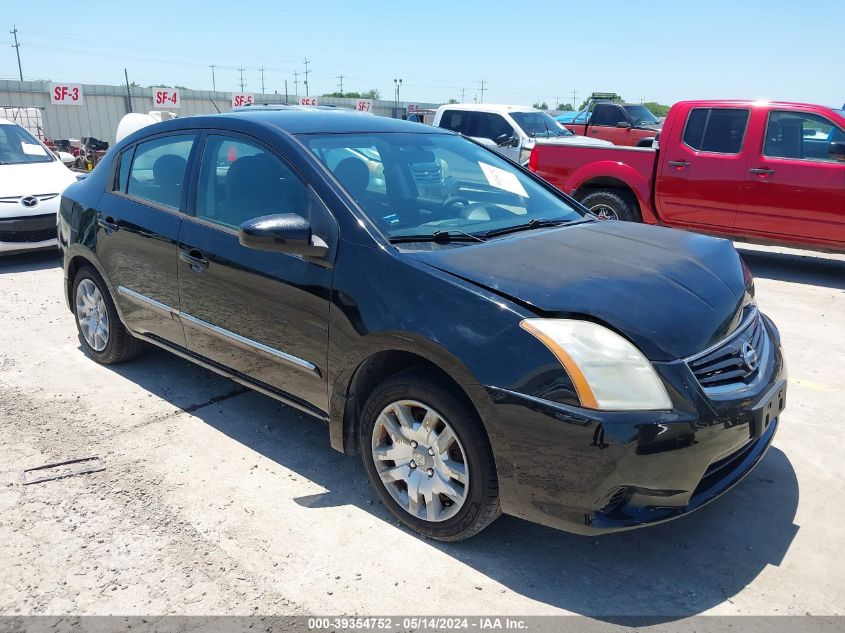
x=158, y=171
x=609, y=115
x=717, y=130
x=456, y=120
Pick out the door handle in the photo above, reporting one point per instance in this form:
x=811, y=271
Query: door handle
x=679, y=163
x=762, y=171
x=194, y=259
x=108, y=224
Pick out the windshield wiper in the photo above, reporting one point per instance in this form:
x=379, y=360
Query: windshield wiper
x=440, y=237
x=536, y=223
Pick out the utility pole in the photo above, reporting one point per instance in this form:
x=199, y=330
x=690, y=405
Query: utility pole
x=213, y=79
x=241, y=71
x=286, y=91
x=574, y=100
x=482, y=89
x=17, y=48
x=261, y=70
x=295, y=83
x=128, y=91
x=306, y=76
x=341, y=84
x=463, y=91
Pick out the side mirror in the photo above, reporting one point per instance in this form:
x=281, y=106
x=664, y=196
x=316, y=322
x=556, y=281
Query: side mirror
x=66, y=158
x=281, y=233
x=623, y=124
x=506, y=140
x=837, y=150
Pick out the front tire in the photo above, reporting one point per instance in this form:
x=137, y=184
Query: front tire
x=612, y=205
x=426, y=454
x=101, y=333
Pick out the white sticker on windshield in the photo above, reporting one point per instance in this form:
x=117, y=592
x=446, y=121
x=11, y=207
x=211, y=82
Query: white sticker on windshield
x=502, y=179
x=33, y=150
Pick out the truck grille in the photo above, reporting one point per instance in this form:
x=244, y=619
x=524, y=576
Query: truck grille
x=734, y=362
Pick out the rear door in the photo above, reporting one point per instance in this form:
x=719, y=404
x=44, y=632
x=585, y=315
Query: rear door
x=262, y=314
x=794, y=187
x=702, y=168
x=138, y=225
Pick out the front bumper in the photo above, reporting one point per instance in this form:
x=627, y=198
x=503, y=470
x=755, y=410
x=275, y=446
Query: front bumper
x=591, y=472
x=25, y=233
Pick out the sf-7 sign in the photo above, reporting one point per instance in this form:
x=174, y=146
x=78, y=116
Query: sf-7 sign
x=166, y=97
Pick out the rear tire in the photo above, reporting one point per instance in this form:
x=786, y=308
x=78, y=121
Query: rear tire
x=435, y=428
x=610, y=204
x=101, y=332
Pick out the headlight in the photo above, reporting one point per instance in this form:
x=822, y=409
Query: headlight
x=608, y=372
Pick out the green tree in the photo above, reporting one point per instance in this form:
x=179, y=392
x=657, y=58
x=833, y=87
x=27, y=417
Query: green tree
x=453, y=101
x=657, y=109
x=542, y=106
x=566, y=107
x=372, y=93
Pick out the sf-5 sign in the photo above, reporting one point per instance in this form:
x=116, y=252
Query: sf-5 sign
x=168, y=97
x=308, y=101
x=66, y=94
x=241, y=99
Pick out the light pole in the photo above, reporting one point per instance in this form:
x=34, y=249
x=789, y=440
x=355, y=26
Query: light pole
x=396, y=83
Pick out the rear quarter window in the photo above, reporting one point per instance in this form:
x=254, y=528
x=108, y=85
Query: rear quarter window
x=455, y=120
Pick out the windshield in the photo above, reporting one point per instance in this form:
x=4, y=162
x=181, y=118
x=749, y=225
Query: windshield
x=423, y=184
x=640, y=115
x=17, y=146
x=539, y=124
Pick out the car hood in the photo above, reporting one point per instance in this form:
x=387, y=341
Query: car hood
x=672, y=293
x=34, y=179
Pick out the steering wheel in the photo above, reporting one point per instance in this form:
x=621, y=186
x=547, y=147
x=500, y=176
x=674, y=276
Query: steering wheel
x=448, y=202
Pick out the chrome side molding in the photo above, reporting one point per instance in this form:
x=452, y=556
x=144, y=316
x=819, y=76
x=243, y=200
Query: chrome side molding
x=168, y=311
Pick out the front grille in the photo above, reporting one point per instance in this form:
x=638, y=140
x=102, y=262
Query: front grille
x=18, y=237
x=727, y=365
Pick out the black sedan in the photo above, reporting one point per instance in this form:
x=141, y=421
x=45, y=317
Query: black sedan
x=484, y=343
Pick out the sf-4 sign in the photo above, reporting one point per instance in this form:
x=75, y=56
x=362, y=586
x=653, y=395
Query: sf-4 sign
x=166, y=97
x=308, y=101
x=66, y=94
x=364, y=105
x=241, y=99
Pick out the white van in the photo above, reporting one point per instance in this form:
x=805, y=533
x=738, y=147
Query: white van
x=32, y=179
x=511, y=129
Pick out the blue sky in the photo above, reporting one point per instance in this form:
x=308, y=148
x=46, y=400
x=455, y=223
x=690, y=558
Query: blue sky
x=525, y=51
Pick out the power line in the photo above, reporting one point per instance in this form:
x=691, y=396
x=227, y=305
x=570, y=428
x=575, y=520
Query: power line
x=481, y=90
x=306, y=76
x=17, y=48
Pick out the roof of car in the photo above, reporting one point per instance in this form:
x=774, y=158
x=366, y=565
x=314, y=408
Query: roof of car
x=329, y=120
x=489, y=107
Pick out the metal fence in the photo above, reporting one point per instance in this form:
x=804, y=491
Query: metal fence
x=103, y=106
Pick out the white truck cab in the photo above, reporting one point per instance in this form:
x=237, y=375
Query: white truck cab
x=512, y=130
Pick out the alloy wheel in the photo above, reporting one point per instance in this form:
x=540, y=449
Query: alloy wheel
x=92, y=315
x=420, y=460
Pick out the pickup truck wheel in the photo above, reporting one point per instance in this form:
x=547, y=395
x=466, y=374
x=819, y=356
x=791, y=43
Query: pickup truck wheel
x=612, y=205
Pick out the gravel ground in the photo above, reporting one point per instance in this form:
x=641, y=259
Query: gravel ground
x=217, y=500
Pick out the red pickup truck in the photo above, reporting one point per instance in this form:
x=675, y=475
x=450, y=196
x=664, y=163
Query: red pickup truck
x=749, y=170
x=620, y=123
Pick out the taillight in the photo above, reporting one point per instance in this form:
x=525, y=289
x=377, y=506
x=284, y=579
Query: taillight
x=532, y=159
